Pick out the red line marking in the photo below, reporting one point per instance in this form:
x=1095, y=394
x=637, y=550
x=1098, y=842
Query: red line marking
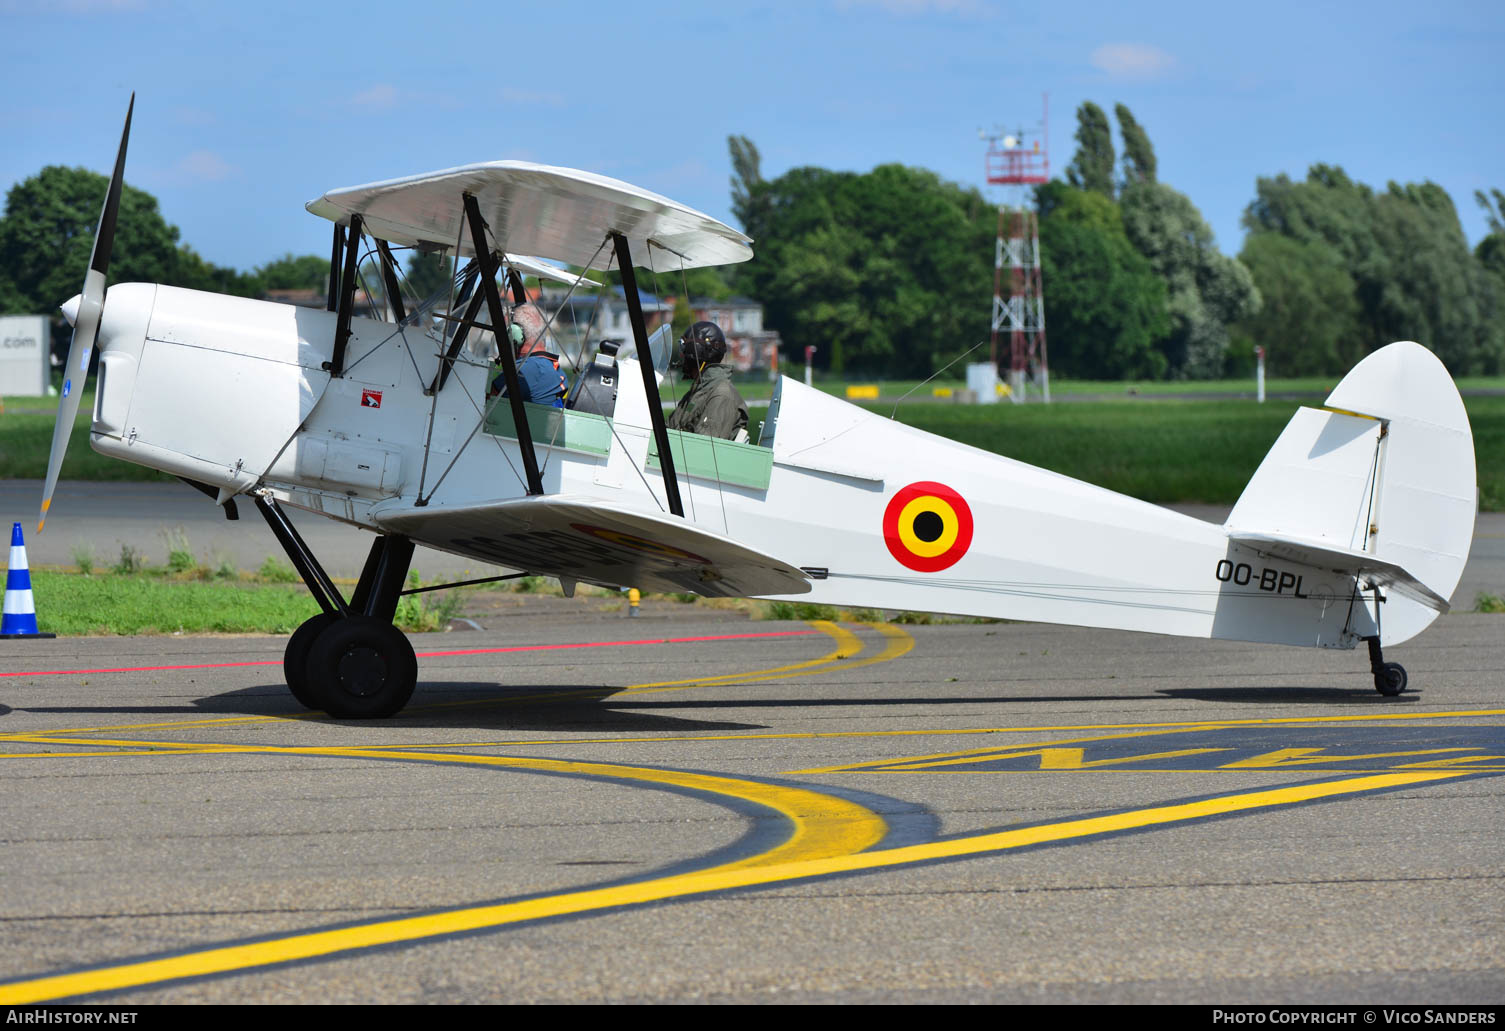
x=428, y=655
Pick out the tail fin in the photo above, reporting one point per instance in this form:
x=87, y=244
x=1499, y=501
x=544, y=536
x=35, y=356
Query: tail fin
x=1379, y=484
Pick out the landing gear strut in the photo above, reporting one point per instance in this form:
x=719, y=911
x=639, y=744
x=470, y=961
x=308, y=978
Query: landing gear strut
x=349, y=660
x=1389, y=677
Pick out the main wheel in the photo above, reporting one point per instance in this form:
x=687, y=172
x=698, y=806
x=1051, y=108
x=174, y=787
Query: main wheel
x=361, y=668
x=1390, y=680
x=295, y=658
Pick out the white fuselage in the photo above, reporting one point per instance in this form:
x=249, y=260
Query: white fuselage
x=234, y=393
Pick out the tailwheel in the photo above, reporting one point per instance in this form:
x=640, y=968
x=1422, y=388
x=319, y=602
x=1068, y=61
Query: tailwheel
x=360, y=667
x=1390, y=679
x=295, y=657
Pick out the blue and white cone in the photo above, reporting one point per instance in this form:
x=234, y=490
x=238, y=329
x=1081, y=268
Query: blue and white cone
x=20, y=619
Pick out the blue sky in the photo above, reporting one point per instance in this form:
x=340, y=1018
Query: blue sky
x=246, y=111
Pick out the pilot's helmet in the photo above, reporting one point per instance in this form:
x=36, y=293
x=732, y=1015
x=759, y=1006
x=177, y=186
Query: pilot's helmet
x=704, y=342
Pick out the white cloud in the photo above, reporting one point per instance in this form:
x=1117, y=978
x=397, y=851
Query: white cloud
x=538, y=98
x=909, y=7
x=383, y=94
x=1132, y=60
x=194, y=116
x=204, y=166
x=70, y=6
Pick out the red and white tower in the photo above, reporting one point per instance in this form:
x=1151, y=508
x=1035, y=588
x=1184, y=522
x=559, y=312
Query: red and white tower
x=1017, y=162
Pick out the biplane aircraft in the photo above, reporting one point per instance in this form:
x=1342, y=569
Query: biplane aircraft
x=1355, y=528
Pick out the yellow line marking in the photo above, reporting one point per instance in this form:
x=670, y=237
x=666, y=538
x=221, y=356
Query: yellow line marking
x=823, y=824
x=813, y=735
x=981, y=754
x=93, y=754
x=848, y=645
x=310, y=945
x=1459, y=761
x=1133, y=730
x=1283, y=757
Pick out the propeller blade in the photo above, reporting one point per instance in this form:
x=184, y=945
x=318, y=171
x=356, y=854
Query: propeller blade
x=85, y=315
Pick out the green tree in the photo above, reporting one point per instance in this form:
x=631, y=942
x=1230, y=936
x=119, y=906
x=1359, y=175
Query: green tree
x=1092, y=166
x=1491, y=249
x=1308, y=318
x=308, y=272
x=1206, y=290
x=1139, y=156
x=1495, y=212
x=1105, y=308
x=1414, y=276
x=885, y=272
x=47, y=233
x=428, y=273
x=748, y=202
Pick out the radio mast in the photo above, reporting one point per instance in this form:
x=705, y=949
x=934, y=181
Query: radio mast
x=1018, y=161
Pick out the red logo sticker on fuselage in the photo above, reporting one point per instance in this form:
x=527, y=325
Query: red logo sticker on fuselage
x=927, y=527
x=370, y=398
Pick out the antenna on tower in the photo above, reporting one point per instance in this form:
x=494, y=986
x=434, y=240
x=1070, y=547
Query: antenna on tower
x=1016, y=161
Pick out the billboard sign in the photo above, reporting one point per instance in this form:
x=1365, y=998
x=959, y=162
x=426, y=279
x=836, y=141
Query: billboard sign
x=25, y=346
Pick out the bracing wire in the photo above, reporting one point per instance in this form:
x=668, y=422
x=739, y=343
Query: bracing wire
x=933, y=375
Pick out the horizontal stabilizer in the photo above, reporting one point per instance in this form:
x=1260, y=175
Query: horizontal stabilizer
x=1327, y=555
x=582, y=539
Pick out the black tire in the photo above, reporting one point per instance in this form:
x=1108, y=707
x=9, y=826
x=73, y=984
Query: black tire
x=295, y=658
x=361, y=668
x=1390, y=680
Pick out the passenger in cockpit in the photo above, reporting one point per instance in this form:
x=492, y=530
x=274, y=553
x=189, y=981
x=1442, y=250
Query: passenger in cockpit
x=713, y=406
x=537, y=368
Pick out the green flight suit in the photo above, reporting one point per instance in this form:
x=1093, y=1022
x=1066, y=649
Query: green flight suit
x=712, y=407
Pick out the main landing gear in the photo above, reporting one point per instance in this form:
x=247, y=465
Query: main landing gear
x=349, y=660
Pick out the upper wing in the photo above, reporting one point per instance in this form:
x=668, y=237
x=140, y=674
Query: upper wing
x=584, y=540
x=559, y=213
x=529, y=266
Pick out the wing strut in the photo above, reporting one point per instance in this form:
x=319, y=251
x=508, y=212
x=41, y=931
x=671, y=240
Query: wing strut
x=336, y=364
x=650, y=382
x=499, y=324
x=389, y=275
x=334, y=267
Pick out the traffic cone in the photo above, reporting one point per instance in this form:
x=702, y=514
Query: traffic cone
x=20, y=618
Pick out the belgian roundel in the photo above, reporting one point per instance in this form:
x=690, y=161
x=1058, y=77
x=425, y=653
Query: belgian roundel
x=927, y=527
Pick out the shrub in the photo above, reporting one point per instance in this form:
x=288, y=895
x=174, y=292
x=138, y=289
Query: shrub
x=801, y=610
x=130, y=561
x=273, y=571
x=179, y=554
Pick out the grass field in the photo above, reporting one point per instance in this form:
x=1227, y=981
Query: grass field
x=891, y=390
x=156, y=601
x=1202, y=451
x=70, y=605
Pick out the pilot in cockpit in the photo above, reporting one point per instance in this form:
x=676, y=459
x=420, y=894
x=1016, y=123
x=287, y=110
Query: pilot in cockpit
x=538, y=370
x=713, y=406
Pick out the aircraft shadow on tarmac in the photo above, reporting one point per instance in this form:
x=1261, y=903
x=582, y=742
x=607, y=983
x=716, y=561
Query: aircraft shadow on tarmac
x=1245, y=695
x=483, y=706
x=594, y=708
x=1290, y=695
